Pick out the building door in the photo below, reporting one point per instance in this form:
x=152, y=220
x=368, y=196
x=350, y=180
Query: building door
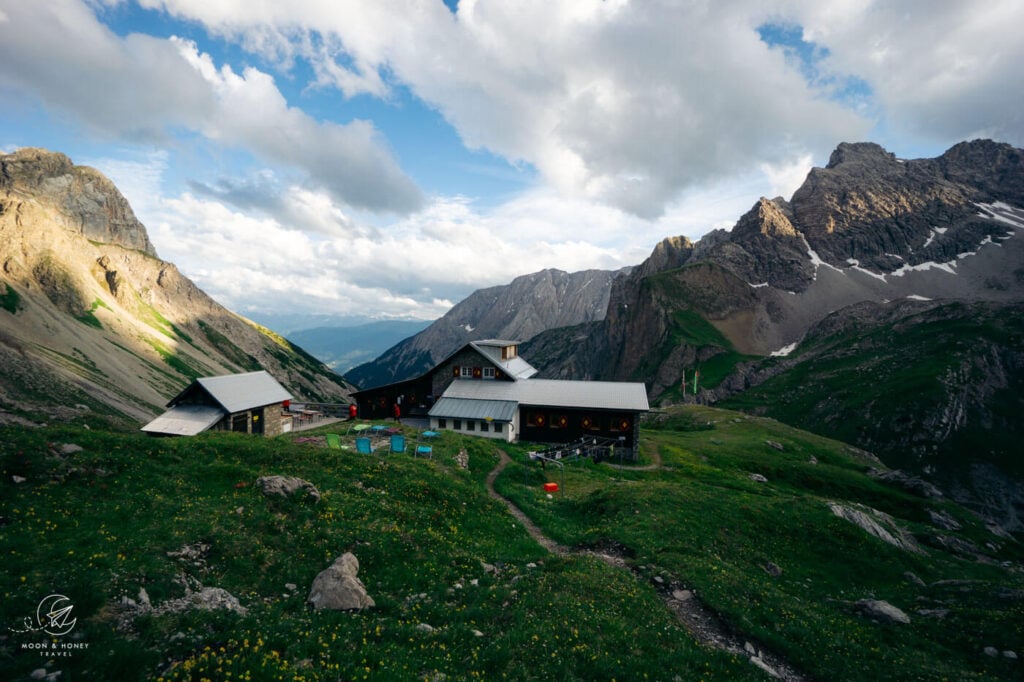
x=257, y=421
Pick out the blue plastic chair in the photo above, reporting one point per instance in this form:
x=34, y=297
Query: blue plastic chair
x=425, y=451
x=397, y=443
x=363, y=446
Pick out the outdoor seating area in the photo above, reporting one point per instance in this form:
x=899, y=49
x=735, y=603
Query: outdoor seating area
x=382, y=439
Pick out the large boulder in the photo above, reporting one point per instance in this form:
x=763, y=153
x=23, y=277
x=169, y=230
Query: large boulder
x=881, y=611
x=286, y=486
x=338, y=587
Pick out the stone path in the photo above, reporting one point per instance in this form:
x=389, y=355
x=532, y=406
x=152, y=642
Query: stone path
x=701, y=622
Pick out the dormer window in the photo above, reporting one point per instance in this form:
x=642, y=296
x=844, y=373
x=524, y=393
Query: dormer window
x=467, y=372
x=509, y=352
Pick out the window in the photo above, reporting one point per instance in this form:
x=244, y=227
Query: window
x=536, y=419
x=457, y=424
x=484, y=426
x=498, y=427
x=467, y=372
x=470, y=425
x=488, y=372
x=442, y=423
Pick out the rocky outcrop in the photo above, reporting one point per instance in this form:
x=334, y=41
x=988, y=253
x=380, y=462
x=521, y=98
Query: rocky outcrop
x=82, y=197
x=877, y=524
x=95, y=319
x=339, y=588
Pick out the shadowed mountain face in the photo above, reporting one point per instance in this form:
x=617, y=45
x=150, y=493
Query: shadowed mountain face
x=520, y=310
x=861, y=241
x=92, y=321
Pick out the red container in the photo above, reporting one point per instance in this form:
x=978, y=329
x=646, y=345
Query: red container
x=551, y=487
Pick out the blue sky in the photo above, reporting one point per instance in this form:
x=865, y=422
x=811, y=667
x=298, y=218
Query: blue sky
x=387, y=158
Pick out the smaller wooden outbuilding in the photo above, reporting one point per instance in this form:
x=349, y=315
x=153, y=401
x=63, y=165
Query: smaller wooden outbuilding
x=247, y=403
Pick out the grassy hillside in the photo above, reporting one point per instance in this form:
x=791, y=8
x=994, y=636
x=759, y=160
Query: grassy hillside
x=98, y=524
x=941, y=387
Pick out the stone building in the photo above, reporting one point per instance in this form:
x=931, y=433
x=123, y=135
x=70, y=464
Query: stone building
x=247, y=403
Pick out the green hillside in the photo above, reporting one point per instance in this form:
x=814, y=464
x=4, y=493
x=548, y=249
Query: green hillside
x=434, y=548
x=939, y=387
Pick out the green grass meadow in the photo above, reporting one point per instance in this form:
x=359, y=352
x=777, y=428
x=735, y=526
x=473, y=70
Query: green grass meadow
x=98, y=524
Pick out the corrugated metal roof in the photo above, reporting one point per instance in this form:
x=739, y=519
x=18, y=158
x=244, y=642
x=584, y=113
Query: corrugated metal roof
x=598, y=395
x=185, y=420
x=461, y=408
x=240, y=392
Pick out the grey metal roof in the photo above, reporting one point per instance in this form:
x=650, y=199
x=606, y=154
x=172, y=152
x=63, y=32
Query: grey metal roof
x=516, y=367
x=185, y=420
x=464, y=408
x=240, y=392
x=598, y=395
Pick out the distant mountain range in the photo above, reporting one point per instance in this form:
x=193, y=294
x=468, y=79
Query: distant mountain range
x=883, y=302
x=345, y=347
x=93, y=323
x=530, y=304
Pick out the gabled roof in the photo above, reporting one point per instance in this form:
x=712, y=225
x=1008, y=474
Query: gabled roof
x=239, y=392
x=490, y=349
x=595, y=395
x=185, y=420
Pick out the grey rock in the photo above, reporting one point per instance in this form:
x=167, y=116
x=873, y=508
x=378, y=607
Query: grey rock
x=775, y=445
x=18, y=479
x=338, y=587
x=881, y=611
x=425, y=628
x=1010, y=654
x=70, y=449
x=682, y=595
x=912, y=577
x=216, y=599
x=758, y=478
x=912, y=484
x=38, y=674
x=772, y=569
x=286, y=486
x=943, y=519
x=878, y=524
x=991, y=651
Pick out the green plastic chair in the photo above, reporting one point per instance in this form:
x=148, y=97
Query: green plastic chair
x=333, y=441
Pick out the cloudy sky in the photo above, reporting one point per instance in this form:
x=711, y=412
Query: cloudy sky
x=388, y=157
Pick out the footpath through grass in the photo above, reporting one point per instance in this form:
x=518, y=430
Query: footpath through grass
x=97, y=525
x=701, y=521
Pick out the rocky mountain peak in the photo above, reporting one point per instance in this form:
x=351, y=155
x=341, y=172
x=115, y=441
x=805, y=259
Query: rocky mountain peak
x=83, y=199
x=768, y=217
x=860, y=154
x=669, y=253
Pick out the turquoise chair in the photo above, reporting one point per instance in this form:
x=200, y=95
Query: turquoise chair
x=363, y=446
x=425, y=451
x=397, y=443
